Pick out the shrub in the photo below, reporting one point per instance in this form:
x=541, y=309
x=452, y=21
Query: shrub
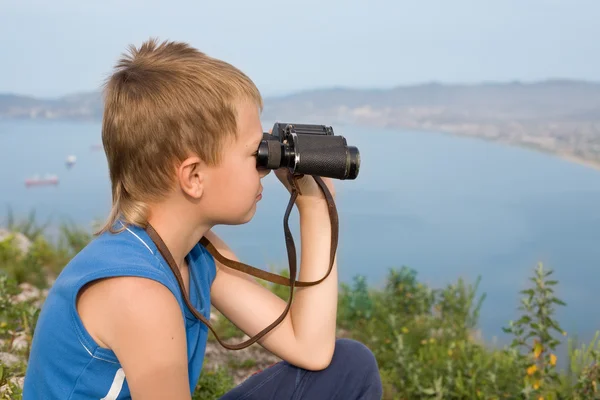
x=425, y=339
x=213, y=384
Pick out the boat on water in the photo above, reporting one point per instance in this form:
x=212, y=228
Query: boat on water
x=41, y=181
x=71, y=160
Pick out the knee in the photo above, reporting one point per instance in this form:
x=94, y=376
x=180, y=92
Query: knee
x=360, y=364
x=350, y=352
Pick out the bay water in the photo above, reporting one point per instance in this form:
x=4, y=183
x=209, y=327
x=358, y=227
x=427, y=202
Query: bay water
x=443, y=205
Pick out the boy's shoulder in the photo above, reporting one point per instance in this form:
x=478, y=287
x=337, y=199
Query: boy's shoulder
x=129, y=251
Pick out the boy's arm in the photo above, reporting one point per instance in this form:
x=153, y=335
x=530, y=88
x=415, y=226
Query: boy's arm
x=140, y=320
x=306, y=337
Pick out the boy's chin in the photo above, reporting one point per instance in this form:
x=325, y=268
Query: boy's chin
x=241, y=220
x=249, y=216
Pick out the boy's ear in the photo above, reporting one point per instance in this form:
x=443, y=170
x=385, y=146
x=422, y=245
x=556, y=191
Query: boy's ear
x=190, y=175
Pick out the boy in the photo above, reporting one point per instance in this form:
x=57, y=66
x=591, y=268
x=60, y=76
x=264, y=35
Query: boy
x=180, y=131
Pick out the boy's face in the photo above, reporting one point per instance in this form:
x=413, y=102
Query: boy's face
x=233, y=188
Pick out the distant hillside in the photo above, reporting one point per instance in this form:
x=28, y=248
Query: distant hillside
x=84, y=106
x=482, y=102
x=558, y=116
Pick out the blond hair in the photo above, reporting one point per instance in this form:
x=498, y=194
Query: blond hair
x=163, y=103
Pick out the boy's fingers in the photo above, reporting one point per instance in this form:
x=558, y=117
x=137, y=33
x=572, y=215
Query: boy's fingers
x=282, y=174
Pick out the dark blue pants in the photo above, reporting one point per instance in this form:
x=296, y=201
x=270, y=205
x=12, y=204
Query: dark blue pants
x=352, y=375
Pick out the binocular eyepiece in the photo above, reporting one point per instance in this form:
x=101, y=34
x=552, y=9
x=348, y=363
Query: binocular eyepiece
x=309, y=150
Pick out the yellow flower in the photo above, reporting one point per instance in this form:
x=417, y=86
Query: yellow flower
x=531, y=370
x=552, y=359
x=431, y=340
x=536, y=385
x=449, y=352
x=404, y=329
x=541, y=398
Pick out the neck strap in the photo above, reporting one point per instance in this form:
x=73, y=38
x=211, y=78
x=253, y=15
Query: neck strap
x=268, y=276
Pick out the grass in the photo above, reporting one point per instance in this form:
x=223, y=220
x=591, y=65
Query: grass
x=423, y=338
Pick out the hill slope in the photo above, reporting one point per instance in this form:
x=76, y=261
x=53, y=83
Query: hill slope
x=558, y=116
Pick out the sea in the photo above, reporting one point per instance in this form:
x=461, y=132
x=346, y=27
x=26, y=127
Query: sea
x=448, y=207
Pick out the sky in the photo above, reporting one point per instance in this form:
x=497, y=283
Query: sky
x=53, y=48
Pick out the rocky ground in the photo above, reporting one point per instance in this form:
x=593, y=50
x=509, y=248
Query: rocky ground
x=12, y=352
x=241, y=363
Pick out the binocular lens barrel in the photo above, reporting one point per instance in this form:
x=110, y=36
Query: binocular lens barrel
x=318, y=155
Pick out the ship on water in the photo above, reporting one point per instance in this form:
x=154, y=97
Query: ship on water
x=71, y=160
x=46, y=180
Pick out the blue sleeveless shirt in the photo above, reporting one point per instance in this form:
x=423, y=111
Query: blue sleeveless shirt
x=65, y=362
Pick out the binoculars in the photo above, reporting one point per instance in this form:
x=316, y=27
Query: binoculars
x=308, y=150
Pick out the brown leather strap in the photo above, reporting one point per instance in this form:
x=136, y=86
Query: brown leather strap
x=292, y=259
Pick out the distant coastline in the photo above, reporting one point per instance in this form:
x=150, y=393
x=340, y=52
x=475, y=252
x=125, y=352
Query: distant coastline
x=560, y=117
x=588, y=164
x=563, y=156
x=593, y=164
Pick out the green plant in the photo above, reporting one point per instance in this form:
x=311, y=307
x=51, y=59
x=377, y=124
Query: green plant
x=459, y=309
x=355, y=304
x=17, y=319
x=43, y=258
x=9, y=389
x=582, y=379
x=225, y=329
x=28, y=227
x=18, y=266
x=213, y=384
x=73, y=238
x=425, y=339
x=534, y=333
x=282, y=291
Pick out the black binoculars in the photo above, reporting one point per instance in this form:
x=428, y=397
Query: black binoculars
x=308, y=150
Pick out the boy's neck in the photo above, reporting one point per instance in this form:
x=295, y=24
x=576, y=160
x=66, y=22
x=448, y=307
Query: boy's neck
x=179, y=232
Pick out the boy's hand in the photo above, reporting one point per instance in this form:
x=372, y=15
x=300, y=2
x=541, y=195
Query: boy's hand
x=309, y=190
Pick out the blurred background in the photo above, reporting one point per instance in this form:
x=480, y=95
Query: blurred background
x=478, y=125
